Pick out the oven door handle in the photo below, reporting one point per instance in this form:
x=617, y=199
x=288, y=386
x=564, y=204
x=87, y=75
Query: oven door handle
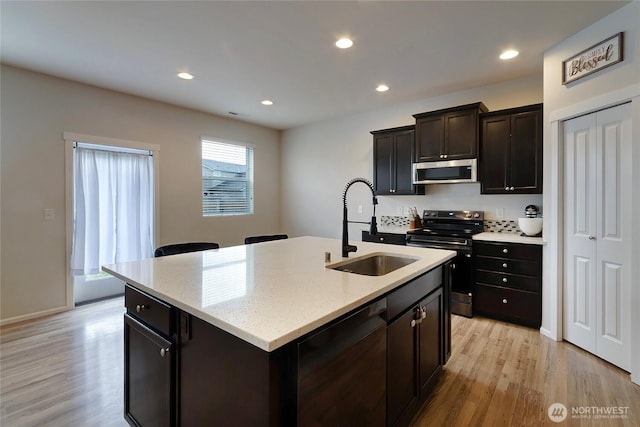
x=418, y=242
x=448, y=248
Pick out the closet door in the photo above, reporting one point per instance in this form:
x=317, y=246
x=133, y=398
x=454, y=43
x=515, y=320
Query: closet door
x=613, y=309
x=580, y=223
x=597, y=218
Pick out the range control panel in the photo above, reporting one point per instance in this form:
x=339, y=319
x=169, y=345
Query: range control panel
x=473, y=215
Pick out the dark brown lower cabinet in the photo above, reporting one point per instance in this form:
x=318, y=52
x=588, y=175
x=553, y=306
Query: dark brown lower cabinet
x=429, y=342
x=414, y=357
x=388, y=238
x=225, y=381
x=341, y=371
x=508, y=281
x=149, y=386
x=373, y=366
x=402, y=361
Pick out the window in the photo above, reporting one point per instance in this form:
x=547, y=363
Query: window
x=227, y=179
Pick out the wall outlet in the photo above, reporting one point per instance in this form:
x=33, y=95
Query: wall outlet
x=49, y=214
x=360, y=209
x=499, y=213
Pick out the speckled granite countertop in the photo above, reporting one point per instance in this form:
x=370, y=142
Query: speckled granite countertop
x=271, y=293
x=508, y=237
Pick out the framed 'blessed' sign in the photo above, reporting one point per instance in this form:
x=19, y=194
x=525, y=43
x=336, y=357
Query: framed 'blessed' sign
x=595, y=58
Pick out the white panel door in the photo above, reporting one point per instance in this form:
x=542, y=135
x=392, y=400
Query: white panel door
x=597, y=216
x=614, y=235
x=580, y=230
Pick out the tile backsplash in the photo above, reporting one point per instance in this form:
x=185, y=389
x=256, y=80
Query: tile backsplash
x=490, y=225
x=394, y=221
x=501, y=226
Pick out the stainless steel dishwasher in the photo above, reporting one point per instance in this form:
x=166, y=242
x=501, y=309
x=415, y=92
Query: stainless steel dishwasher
x=342, y=371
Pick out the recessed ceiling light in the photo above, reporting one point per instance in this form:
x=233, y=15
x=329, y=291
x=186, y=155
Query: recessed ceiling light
x=508, y=54
x=267, y=102
x=344, y=43
x=185, y=76
x=382, y=88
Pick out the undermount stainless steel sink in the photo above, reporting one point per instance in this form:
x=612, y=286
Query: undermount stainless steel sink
x=374, y=265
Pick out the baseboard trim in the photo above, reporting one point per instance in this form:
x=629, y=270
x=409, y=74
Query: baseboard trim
x=547, y=333
x=31, y=316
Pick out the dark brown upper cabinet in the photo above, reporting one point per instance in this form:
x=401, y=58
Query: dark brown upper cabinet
x=511, y=151
x=393, y=160
x=448, y=134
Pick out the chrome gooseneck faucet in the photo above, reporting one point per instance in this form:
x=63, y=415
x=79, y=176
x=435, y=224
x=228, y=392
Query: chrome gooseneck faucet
x=346, y=247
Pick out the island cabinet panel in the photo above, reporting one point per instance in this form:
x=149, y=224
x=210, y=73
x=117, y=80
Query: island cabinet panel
x=511, y=151
x=341, y=371
x=148, y=369
x=430, y=342
x=393, y=161
x=508, y=281
x=402, y=373
x=373, y=366
x=149, y=361
x=416, y=344
x=151, y=311
x=448, y=134
x=226, y=381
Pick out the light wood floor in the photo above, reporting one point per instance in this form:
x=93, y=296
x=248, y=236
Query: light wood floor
x=66, y=370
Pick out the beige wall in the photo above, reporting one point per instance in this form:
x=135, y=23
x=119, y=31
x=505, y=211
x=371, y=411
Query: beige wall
x=319, y=159
x=618, y=83
x=35, y=111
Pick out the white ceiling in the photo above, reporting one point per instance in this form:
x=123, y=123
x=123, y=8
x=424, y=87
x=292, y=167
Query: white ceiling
x=242, y=52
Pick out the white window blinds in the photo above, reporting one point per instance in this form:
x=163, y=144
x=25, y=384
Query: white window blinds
x=227, y=179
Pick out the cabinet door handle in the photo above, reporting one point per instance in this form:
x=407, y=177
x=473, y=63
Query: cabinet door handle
x=506, y=188
x=142, y=307
x=419, y=314
x=504, y=280
x=591, y=237
x=504, y=301
x=504, y=265
x=511, y=188
x=505, y=251
x=164, y=351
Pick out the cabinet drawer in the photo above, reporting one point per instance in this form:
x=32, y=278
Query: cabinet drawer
x=389, y=238
x=150, y=310
x=526, y=283
x=508, y=250
x=509, y=304
x=506, y=265
x=401, y=299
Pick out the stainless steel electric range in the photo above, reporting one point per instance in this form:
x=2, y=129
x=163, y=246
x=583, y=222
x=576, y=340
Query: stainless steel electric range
x=452, y=230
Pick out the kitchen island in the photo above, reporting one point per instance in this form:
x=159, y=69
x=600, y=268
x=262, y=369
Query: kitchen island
x=241, y=332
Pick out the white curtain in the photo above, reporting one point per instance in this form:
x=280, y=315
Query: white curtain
x=113, y=212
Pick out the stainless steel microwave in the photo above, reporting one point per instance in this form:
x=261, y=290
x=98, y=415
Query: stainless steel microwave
x=452, y=171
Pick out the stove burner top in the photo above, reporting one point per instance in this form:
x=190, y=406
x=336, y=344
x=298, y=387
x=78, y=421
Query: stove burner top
x=451, y=223
x=447, y=230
